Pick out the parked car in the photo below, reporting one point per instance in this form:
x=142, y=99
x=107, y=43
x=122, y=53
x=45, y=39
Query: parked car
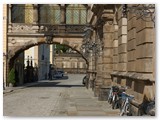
x=84, y=81
x=58, y=74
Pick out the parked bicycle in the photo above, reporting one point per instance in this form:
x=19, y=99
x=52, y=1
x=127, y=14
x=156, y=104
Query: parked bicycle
x=110, y=96
x=147, y=108
x=116, y=103
x=126, y=106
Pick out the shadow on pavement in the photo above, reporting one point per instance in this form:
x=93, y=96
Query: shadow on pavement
x=52, y=84
x=69, y=86
x=45, y=84
x=59, y=78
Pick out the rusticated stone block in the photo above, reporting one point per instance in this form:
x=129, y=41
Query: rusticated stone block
x=122, y=48
x=99, y=67
x=122, y=21
x=107, y=66
x=132, y=23
x=107, y=60
x=131, y=55
x=146, y=35
x=122, y=39
x=144, y=65
x=116, y=35
x=141, y=24
x=108, y=43
x=108, y=28
x=99, y=60
x=144, y=50
x=115, y=67
x=131, y=34
x=131, y=45
x=122, y=31
x=108, y=52
x=123, y=57
x=120, y=13
x=115, y=43
x=130, y=15
x=115, y=51
x=108, y=36
x=107, y=82
x=131, y=66
x=115, y=59
x=122, y=67
x=107, y=70
x=106, y=75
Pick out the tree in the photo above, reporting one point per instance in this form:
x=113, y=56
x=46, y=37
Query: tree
x=61, y=48
x=11, y=76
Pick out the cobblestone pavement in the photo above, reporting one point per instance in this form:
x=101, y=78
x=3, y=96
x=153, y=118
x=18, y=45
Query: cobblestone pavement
x=66, y=97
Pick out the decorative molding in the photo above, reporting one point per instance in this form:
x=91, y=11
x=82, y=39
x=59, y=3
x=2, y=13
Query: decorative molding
x=49, y=39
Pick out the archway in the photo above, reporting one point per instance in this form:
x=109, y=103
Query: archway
x=19, y=50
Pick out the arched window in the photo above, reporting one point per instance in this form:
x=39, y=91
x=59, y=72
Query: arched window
x=49, y=14
x=22, y=13
x=76, y=14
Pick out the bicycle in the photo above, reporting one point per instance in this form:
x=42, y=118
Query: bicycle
x=110, y=95
x=126, y=107
x=117, y=98
x=147, y=108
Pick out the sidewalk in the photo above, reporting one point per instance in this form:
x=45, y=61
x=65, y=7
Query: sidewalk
x=11, y=89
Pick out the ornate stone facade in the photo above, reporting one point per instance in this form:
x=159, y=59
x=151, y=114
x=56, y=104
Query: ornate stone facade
x=117, y=43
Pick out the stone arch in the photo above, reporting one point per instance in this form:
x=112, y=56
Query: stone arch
x=14, y=52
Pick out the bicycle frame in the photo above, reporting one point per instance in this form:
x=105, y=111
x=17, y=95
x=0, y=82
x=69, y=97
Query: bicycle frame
x=126, y=105
x=110, y=95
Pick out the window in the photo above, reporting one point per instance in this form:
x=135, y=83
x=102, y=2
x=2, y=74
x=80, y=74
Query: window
x=22, y=13
x=49, y=14
x=76, y=14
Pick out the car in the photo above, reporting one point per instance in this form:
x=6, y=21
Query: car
x=84, y=81
x=58, y=74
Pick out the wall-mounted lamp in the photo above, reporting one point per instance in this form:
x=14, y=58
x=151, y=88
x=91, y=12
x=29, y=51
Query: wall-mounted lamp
x=145, y=11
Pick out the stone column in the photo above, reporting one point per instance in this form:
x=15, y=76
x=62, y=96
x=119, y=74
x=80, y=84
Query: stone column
x=98, y=82
x=9, y=18
x=131, y=48
x=145, y=39
x=115, y=52
x=9, y=13
x=35, y=13
x=63, y=14
x=4, y=44
x=107, y=53
x=122, y=46
x=35, y=27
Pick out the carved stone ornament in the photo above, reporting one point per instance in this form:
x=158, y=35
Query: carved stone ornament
x=48, y=39
x=13, y=41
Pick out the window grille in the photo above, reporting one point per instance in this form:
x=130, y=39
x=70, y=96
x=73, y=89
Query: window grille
x=76, y=14
x=22, y=13
x=49, y=14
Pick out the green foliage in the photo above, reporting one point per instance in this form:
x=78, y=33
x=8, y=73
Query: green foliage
x=61, y=48
x=11, y=76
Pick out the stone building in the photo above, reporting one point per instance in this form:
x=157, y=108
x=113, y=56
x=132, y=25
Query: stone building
x=117, y=41
x=70, y=62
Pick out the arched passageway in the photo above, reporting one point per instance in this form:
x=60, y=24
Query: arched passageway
x=27, y=68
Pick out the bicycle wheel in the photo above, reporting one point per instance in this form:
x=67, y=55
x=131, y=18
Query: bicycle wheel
x=110, y=100
x=128, y=110
x=113, y=101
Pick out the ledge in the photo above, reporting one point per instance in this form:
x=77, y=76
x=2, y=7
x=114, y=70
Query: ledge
x=92, y=71
x=135, y=76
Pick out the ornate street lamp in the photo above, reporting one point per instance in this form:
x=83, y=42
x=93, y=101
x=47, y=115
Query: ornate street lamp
x=145, y=11
x=88, y=45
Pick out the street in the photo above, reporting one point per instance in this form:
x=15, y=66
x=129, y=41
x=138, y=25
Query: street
x=62, y=97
